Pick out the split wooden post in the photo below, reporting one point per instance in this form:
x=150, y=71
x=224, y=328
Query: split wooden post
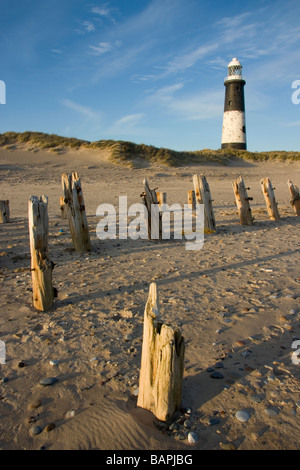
x=192, y=199
x=62, y=207
x=75, y=210
x=268, y=192
x=203, y=196
x=161, y=197
x=41, y=265
x=4, y=212
x=295, y=193
x=162, y=363
x=153, y=216
x=242, y=201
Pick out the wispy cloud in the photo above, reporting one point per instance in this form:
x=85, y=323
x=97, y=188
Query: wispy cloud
x=104, y=10
x=101, y=48
x=187, y=105
x=128, y=124
x=83, y=110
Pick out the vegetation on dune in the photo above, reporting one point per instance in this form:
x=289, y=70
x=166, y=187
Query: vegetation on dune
x=131, y=154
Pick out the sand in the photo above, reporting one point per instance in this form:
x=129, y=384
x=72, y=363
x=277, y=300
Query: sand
x=236, y=302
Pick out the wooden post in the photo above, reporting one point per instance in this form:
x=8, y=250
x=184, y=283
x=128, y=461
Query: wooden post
x=295, y=193
x=268, y=192
x=202, y=195
x=154, y=216
x=242, y=201
x=41, y=265
x=162, y=363
x=192, y=199
x=4, y=212
x=62, y=205
x=75, y=209
x=161, y=198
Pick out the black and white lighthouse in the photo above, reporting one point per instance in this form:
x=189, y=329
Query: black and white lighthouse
x=234, y=128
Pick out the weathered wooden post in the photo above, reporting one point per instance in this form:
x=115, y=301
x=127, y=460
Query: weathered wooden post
x=62, y=207
x=161, y=198
x=154, y=216
x=295, y=193
x=192, y=199
x=162, y=363
x=203, y=196
x=41, y=265
x=4, y=212
x=268, y=192
x=75, y=210
x=242, y=201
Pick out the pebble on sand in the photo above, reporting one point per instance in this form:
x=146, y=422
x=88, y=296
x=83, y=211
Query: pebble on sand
x=193, y=437
x=271, y=411
x=242, y=415
x=48, y=381
x=35, y=430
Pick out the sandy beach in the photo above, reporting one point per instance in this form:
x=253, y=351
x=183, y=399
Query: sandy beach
x=235, y=301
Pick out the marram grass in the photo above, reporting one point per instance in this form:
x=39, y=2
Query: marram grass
x=133, y=155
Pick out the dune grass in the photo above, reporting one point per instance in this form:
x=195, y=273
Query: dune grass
x=131, y=154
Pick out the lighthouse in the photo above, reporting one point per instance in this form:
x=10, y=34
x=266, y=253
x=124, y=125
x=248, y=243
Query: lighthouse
x=234, y=128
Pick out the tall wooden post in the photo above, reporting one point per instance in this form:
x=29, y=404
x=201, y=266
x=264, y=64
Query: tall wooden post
x=268, y=192
x=4, y=212
x=41, y=265
x=242, y=201
x=154, y=216
x=75, y=210
x=162, y=363
x=295, y=194
x=203, y=196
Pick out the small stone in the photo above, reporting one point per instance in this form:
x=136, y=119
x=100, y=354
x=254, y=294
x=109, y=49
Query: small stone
x=219, y=365
x=216, y=375
x=53, y=362
x=283, y=318
x=240, y=343
x=193, y=437
x=70, y=414
x=48, y=381
x=35, y=430
x=173, y=427
x=22, y=364
x=187, y=423
x=255, y=398
x=242, y=415
x=227, y=446
x=271, y=412
x=35, y=404
x=214, y=421
x=49, y=427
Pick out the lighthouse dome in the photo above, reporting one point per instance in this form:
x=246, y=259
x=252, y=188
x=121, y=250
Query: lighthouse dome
x=234, y=69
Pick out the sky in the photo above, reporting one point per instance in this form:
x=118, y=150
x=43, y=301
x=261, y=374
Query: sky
x=150, y=71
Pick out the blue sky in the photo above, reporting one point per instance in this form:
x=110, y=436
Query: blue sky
x=149, y=71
